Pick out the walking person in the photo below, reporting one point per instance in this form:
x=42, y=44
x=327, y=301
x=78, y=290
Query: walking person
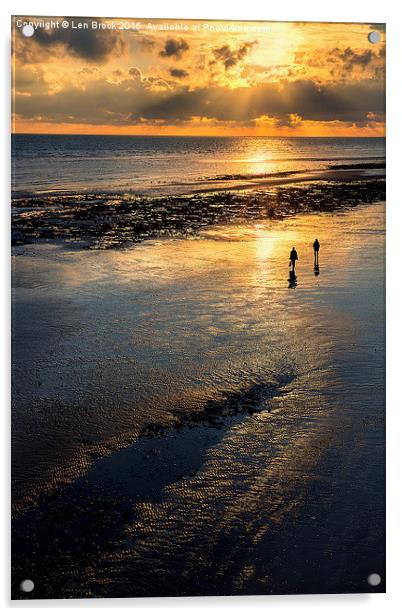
x=293, y=258
x=316, y=247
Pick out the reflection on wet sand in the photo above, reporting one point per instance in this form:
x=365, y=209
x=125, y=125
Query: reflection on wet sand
x=292, y=280
x=212, y=424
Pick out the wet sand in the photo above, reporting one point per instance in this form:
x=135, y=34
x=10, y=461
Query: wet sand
x=219, y=428
x=103, y=221
x=335, y=173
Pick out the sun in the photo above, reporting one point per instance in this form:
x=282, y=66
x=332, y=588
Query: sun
x=276, y=49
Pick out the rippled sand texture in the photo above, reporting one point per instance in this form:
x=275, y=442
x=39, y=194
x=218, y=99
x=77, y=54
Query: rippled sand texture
x=187, y=420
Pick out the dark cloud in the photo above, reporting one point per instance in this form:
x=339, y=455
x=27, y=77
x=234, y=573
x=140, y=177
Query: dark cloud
x=230, y=57
x=91, y=45
x=174, y=48
x=352, y=58
x=306, y=98
x=289, y=121
x=134, y=101
x=135, y=73
x=342, y=61
x=380, y=26
x=178, y=72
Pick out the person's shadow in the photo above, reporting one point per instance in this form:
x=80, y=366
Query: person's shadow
x=316, y=270
x=292, y=280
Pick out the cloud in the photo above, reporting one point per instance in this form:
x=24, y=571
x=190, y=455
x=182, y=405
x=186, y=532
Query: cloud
x=179, y=73
x=291, y=121
x=352, y=58
x=133, y=101
x=174, y=48
x=230, y=57
x=340, y=62
x=30, y=81
x=304, y=98
x=86, y=43
x=378, y=26
x=135, y=73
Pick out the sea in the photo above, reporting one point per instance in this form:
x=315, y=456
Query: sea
x=69, y=164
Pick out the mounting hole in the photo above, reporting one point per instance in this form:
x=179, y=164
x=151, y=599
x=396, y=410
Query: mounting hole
x=28, y=30
x=27, y=585
x=374, y=579
x=374, y=37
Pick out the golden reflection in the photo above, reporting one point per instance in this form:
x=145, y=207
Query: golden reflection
x=265, y=242
x=273, y=243
x=255, y=256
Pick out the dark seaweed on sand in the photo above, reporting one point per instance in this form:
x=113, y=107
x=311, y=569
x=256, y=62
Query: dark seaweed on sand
x=115, y=221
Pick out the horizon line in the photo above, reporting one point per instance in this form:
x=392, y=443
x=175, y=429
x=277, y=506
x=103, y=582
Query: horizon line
x=203, y=136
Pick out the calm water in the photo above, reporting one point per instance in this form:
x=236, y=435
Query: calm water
x=81, y=163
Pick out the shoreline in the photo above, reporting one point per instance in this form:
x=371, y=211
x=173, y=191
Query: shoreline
x=224, y=183
x=324, y=175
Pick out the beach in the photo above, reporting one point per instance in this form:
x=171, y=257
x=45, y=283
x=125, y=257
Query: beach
x=189, y=420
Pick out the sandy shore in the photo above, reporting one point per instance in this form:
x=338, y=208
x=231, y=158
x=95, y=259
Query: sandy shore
x=322, y=175
x=212, y=417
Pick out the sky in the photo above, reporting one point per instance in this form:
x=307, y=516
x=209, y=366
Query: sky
x=176, y=77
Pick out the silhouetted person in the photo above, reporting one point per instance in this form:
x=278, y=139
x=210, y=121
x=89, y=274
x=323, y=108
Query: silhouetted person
x=316, y=247
x=293, y=258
